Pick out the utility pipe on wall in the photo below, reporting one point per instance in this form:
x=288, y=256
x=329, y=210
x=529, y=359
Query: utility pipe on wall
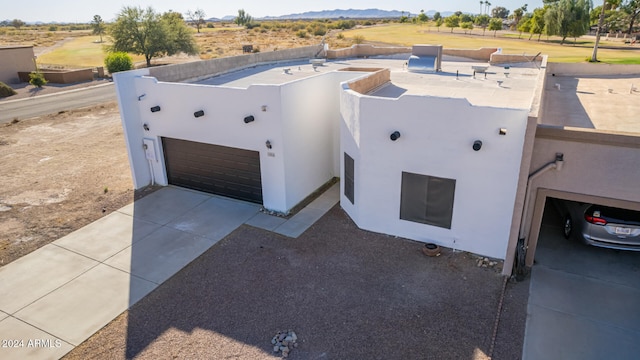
x=556, y=164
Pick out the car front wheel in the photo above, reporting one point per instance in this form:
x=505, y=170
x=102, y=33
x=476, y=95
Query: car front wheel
x=567, y=227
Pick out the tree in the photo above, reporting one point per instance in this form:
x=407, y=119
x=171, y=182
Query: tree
x=98, y=26
x=499, y=12
x=537, y=25
x=466, y=18
x=17, y=23
x=632, y=8
x=179, y=36
x=437, y=16
x=495, y=25
x=439, y=23
x=422, y=17
x=567, y=18
x=483, y=22
x=451, y=21
x=594, y=54
x=488, y=5
x=197, y=18
x=243, y=18
x=466, y=25
x=145, y=32
x=524, y=25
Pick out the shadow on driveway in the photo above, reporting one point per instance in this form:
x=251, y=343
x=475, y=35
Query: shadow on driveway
x=347, y=293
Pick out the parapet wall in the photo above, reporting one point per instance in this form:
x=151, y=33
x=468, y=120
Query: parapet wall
x=373, y=81
x=201, y=69
x=573, y=69
x=483, y=54
x=361, y=50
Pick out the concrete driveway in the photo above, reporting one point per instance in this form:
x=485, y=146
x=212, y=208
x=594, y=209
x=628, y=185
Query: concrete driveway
x=584, y=302
x=56, y=297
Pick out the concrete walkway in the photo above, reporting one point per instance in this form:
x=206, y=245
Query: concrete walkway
x=583, y=301
x=54, y=298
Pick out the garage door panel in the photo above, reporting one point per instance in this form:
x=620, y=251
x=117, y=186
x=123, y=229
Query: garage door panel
x=214, y=169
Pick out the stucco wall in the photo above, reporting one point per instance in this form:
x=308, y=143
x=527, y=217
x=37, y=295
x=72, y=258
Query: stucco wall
x=436, y=139
x=310, y=123
x=567, y=69
x=301, y=121
x=360, y=50
x=13, y=60
x=206, y=68
x=62, y=76
x=483, y=54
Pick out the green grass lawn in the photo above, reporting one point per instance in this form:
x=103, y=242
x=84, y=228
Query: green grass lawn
x=409, y=34
x=85, y=51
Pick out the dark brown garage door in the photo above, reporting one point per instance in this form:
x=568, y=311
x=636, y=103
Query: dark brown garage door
x=214, y=169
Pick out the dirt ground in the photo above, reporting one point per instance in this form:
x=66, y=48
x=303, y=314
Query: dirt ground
x=59, y=173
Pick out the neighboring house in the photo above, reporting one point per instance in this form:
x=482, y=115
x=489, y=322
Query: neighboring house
x=441, y=157
x=14, y=59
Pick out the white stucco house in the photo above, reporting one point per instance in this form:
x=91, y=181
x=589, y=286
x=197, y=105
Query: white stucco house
x=443, y=157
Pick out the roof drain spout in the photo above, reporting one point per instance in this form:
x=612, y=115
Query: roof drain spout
x=555, y=164
x=521, y=247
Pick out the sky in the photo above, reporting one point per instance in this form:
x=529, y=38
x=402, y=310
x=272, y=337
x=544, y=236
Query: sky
x=73, y=11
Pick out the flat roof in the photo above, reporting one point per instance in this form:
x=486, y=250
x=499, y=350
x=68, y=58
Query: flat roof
x=601, y=102
x=501, y=87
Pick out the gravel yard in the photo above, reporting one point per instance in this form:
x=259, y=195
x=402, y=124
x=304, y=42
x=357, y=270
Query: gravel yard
x=346, y=293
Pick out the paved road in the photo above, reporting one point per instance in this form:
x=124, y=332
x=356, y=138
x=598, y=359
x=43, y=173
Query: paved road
x=47, y=104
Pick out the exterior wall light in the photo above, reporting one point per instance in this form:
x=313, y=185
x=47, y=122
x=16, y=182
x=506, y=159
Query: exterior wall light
x=268, y=144
x=145, y=126
x=395, y=135
x=264, y=108
x=502, y=131
x=249, y=119
x=198, y=113
x=477, y=145
x=155, y=108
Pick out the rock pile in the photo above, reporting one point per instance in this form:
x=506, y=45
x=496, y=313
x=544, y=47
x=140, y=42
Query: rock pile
x=485, y=262
x=284, y=342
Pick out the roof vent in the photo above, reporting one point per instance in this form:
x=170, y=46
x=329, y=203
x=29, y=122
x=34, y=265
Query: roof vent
x=425, y=58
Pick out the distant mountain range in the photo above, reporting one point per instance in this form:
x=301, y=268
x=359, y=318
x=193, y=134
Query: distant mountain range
x=324, y=14
x=345, y=14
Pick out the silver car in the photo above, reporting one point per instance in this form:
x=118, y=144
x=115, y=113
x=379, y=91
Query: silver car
x=598, y=225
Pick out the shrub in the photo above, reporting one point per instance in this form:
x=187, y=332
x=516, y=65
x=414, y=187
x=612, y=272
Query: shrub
x=358, y=39
x=118, y=61
x=210, y=26
x=340, y=36
x=301, y=34
x=6, y=90
x=53, y=28
x=37, y=79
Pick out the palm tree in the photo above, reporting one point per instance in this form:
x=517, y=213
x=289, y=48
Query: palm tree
x=481, y=5
x=488, y=4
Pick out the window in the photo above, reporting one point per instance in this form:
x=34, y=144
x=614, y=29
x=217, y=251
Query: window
x=348, y=177
x=427, y=199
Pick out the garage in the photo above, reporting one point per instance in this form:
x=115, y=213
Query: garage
x=214, y=169
x=583, y=299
